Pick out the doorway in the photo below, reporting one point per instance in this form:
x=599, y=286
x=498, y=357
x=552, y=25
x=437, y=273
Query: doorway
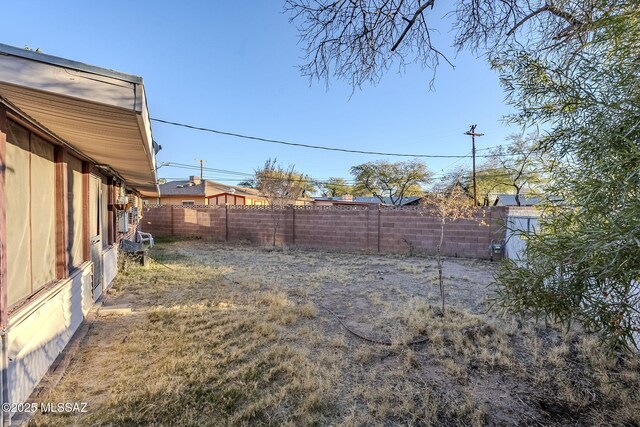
x=95, y=233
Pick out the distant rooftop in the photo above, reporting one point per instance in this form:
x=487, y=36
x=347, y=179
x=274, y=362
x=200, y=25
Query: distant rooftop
x=369, y=199
x=510, y=200
x=181, y=188
x=206, y=188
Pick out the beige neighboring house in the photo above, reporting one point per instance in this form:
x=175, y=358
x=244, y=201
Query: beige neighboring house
x=195, y=191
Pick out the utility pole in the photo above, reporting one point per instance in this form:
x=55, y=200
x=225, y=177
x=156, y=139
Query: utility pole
x=202, y=162
x=472, y=132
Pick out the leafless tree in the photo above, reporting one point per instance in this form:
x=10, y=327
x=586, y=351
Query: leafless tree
x=281, y=187
x=448, y=204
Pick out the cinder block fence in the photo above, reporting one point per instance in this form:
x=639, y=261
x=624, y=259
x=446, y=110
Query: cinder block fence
x=369, y=229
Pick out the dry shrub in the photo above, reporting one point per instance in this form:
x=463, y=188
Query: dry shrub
x=308, y=310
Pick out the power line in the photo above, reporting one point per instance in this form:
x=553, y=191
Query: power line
x=187, y=166
x=348, y=181
x=317, y=147
x=242, y=175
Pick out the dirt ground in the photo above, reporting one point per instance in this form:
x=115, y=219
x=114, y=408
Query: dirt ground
x=238, y=335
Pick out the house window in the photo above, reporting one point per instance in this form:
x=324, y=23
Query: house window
x=31, y=221
x=188, y=203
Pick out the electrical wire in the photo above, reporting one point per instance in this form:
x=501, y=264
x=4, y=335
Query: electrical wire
x=245, y=175
x=194, y=167
x=317, y=147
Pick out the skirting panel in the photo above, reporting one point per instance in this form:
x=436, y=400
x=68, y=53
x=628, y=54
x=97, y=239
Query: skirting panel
x=39, y=333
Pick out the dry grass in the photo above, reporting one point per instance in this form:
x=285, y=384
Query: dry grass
x=237, y=335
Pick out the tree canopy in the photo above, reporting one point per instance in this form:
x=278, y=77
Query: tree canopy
x=336, y=187
x=394, y=181
x=281, y=186
x=519, y=168
x=585, y=262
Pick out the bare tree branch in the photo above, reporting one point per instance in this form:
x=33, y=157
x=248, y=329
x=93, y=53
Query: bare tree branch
x=410, y=22
x=526, y=18
x=359, y=40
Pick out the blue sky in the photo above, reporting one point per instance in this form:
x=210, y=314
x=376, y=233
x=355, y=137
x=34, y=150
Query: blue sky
x=232, y=66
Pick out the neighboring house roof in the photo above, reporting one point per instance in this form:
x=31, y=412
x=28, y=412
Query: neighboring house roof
x=181, y=188
x=234, y=192
x=368, y=200
x=194, y=187
x=100, y=114
x=214, y=188
x=510, y=200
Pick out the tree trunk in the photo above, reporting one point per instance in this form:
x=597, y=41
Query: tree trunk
x=275, y=224
x=517, y=195
x=439, y=257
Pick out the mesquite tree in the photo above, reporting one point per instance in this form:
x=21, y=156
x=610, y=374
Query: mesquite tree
x=585, y=262
x=519, y=168
x=391, y=182
x=336, y=187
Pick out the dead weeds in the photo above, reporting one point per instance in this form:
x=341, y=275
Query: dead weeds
x=236, y=335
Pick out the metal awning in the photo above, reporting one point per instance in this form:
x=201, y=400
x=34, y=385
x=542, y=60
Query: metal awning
x=101, y=113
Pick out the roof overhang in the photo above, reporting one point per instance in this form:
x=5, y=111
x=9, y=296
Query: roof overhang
x=101, y=113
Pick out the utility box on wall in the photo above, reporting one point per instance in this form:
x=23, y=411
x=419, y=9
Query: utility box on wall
x=134, y=215
x=123, y=221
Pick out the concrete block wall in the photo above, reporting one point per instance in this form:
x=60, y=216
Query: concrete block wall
x=401, y=229
x=370, y=229
x=256, y=223
x=334, y=228
x=201, y=221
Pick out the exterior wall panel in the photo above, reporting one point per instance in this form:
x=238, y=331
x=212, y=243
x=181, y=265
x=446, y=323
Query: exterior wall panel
x=43, y=213
x=18, y=214
x=110, y=265
x=75, y=215
x=45, y=272
x=200, y=201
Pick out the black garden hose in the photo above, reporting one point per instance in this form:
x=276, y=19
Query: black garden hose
x=372, y=340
